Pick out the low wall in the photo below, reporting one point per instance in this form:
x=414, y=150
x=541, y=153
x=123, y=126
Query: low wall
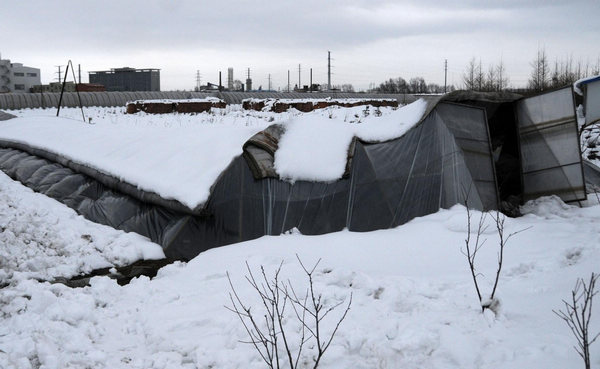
x=14, y=101
x=280, y=106
x=174, y=106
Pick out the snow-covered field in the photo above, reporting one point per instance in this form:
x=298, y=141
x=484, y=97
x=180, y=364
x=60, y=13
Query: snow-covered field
x=413, y=300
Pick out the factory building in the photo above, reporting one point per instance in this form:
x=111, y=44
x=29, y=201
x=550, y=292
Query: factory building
x=127, y=79
x=15, y=77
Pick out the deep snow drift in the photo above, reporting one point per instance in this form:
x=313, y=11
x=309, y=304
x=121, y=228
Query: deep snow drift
x=43, y=239
x=414, y=305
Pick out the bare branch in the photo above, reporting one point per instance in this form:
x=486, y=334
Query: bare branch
x=577, y=314
x=309, y=310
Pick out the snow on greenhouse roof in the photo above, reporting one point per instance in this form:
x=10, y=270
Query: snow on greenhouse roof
x=181, y=156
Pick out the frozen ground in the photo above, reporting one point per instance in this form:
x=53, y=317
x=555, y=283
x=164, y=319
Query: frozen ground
x=414, y=305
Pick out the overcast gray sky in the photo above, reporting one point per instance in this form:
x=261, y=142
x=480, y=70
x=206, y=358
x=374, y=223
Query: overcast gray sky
x=370, y=40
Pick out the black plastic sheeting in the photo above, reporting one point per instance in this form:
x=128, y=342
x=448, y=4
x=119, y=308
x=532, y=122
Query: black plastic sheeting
x=5, y=116
x=444, y=160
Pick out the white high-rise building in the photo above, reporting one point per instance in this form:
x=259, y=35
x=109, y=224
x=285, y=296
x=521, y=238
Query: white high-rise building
x=15, y=77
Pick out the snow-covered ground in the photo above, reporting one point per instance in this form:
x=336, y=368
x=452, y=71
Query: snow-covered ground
x=413, y=300
x=43, y=239
x=180, y=156
x=414, y=305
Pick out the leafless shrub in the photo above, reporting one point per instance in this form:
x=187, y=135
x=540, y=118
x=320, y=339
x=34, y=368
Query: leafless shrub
x=472, y=246
x=266, y=329
x=577, y=314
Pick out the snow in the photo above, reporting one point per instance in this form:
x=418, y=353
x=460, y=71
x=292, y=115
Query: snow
x=413, y=300
x=210, y=99
x=577, y=84
x=327, y=140
x=176, y=157
x=180, y=156
x=413, y=304
x=44, y=239
x=269, y=102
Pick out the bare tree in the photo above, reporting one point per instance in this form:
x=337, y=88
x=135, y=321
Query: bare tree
x=267, y=330
x=417, y=85
x=540, y=75
x=577, y=315
x=473, y=246
x=491, y=79
x=595, y=69
x=397, y=85
x=470, y=75
x=502, y=80
x=347, y=87
x=470, y=250
x=566, y=72
x=479, y=77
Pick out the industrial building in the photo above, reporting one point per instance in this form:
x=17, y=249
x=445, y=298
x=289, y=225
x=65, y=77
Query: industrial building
x=127, y=79
x=15, y=77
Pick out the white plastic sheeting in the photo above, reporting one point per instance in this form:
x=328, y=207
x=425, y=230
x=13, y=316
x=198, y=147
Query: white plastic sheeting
x=550, y=154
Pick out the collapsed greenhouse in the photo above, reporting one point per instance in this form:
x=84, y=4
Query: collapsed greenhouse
x=492, y=151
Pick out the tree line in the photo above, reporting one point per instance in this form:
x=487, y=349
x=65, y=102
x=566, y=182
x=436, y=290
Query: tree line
x=560, y=73
x=494, y=77
x=416, y=85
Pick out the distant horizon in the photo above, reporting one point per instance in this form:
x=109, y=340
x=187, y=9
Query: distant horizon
x=370, y=41
x=454, y=78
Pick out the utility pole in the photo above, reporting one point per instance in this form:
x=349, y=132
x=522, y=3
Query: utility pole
x=288, y=80
x=299, y=83
x=328, y=70
x=220, y=84
x=311, y=84
x=79, y=70
x=445, y=74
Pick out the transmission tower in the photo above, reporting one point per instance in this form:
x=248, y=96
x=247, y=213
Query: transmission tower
x=328, y=70
x=445, y=74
